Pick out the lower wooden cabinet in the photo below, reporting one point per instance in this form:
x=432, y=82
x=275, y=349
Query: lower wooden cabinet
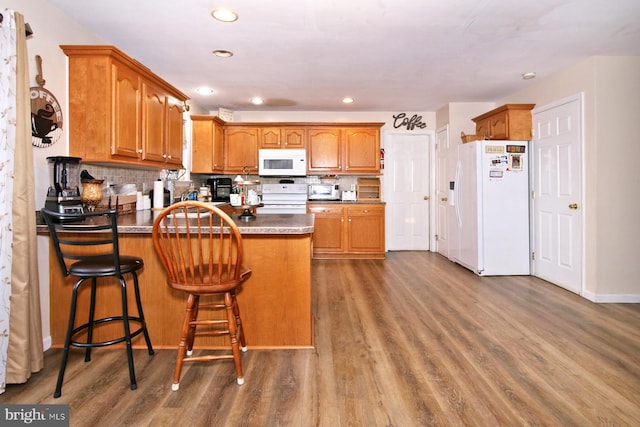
x=348, y=230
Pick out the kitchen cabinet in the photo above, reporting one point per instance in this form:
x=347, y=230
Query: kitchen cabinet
x=162, y=125
x=344, y=150
x=207, y=144
x=285, y=137
x=240, y=149
x=120, y=112
x=348, y=230
x=324, y=150
x=362, y=150
x=508, y=122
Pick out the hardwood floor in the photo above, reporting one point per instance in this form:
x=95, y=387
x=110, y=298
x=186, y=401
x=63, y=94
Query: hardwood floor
x=410, y=340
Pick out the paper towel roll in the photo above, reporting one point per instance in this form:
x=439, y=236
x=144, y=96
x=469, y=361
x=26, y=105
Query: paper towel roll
x=158, y=195
x=139, y=201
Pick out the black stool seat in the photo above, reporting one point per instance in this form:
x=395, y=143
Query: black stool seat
x=103, y=266
x=86, y=246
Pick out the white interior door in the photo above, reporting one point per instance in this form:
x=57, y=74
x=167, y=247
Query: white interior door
x=406, y=191
x=442, y=190
x=557, y=202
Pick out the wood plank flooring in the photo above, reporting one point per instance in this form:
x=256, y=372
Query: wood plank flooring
x=407, y=341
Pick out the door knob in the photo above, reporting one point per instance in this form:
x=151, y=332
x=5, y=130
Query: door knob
x=444, y=199
x=426, y=197
x=573, y=206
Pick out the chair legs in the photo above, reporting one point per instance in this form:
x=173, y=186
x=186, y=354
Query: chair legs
x=233, y=329
x=89, y=344
x=67, y=340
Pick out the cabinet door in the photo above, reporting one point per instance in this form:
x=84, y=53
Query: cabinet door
x=362, y=150
x=483, y=128
x=126, y=113
x=323, y=150
x=270, y=138
x=365, y=229
x=206, y=145
x=173, y=142
x=499, y=125
x=241, y=149
x=153, y=123
x=328, y=229
x=273, y=137
x=293, y=137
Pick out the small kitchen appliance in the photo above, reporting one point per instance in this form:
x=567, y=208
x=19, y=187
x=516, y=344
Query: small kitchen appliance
x=324, y=192
x=220, y=189
x=64, y=193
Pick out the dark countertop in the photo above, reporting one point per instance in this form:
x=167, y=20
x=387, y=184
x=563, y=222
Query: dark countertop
x=141, y=222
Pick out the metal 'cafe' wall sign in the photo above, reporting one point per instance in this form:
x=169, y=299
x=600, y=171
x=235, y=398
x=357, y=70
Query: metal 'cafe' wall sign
x=401, y=120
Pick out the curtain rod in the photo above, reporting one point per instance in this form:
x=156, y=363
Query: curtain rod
x=27, y=28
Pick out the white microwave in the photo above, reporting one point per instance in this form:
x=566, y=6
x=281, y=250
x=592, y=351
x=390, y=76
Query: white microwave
x=282, y=162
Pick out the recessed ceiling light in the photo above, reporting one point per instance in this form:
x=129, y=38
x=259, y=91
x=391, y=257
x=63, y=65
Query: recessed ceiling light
x=223, y=53
x=529, y=76
x=347, y=100
x=257, y=101
x=224, y=15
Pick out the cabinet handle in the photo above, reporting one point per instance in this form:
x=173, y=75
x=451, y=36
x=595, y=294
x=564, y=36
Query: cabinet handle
x=365, y=210
x=573, y=206
x=426, y=197
x=164, y=156
x=139, y=150
x=169, y=157
x=444, y=199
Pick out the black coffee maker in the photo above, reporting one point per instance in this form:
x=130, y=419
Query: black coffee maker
x=64, y=194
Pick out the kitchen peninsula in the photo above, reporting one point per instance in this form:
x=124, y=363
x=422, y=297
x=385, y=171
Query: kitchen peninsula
x=275, y=302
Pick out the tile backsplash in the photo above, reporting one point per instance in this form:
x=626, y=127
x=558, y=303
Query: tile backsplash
x=142, y=178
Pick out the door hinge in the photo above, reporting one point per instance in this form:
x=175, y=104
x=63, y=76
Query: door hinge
x=533, y=194
x=437, y=237
x=533, y=133
x=533, y=256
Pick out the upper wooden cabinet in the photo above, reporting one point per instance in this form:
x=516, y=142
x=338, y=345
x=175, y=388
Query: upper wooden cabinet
x=511, y=121
x=324, y=150
x=349, y=148
x=361, y=150
x=207, y=139
x=240, y=149
x=120, y=112
x=282, y=137
x=344, y=150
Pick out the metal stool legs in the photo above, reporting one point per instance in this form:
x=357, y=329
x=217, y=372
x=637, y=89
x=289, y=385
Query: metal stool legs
x=89, y=344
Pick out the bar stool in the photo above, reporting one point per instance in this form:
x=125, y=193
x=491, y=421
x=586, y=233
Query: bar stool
x=200, y=248
x=86, y=246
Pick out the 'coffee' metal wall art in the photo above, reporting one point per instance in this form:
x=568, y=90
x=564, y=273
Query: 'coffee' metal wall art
x=46, y=113
x=401, y=120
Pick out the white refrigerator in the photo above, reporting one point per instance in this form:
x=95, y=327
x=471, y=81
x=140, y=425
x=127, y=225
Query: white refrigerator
x=490, y=197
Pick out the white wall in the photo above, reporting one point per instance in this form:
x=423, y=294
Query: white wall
x=386, y=117
x=611, y=87
x=50, y=29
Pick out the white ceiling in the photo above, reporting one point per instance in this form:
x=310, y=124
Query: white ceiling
x=389, y=55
